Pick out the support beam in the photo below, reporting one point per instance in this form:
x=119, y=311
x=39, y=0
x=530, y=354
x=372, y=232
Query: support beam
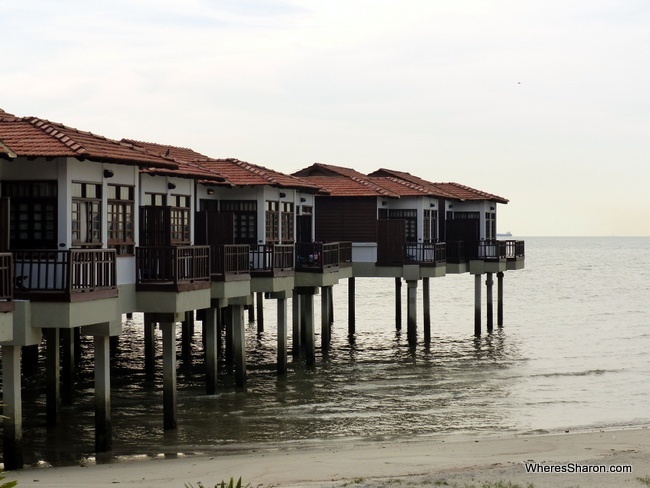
x=239, y=344
x=260, y=312
x=325, y=318
x=331, y=304
x=169, y=375
x=426, y=305
x=103, y=423
x=282, y=336
x=295, y=317
x=488, y=290
x=211, y=350
x=251, y=312
x=412, y=307
x=67, y=366
x=53, y=377
x=310, y=337
x=12, y=435
x=398, y=303
x=477, y=305
x=351, y=307
x=500, y=298
x=230, y=348
x=149, y=346
x=187, y=330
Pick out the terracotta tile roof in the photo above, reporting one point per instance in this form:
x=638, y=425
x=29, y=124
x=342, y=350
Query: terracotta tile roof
x=344, y=182
x=34, y=137
x=448, y=190
x=234, y=171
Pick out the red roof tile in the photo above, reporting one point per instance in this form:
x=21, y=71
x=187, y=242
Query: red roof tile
x=34, y=137
x=451, y=190
x=236, y=172
x=339, y=181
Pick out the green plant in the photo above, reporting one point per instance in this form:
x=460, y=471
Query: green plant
x=8, y=484
x=223, y=484
x=645, y=479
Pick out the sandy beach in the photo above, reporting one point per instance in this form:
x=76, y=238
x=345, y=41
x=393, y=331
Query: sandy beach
x=446, y=461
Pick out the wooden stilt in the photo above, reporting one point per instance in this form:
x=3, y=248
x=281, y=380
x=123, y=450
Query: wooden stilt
x=398, y=303
x=351, y=306
x=489, y=309
x=12, y=434
x=169, y=375
x=67, y=366
x=211, y=350
x=282, y=335
x=260, y=312
x=330, y=301
x=310, y=337
x=477, y=305
x=295, y=317
x=500, y=299
x=53, y=377
x=103, y=423
x=411, y=290
x=149, y=346
x=325, y=319
x=426, y=305
x=251, y=313
x=239, y=344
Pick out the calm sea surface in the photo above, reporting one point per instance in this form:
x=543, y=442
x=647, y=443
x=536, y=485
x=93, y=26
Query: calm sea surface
x=573, y=354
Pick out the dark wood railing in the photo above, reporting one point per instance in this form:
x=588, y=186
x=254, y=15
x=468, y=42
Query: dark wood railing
x=67, y=272
x=6, y=282
x=320, y=256
x=172, y=264
x=272, y=259
x=488, y=250
x=426, y=253
x=491, y=250
x=515, y=249
x=230, y=260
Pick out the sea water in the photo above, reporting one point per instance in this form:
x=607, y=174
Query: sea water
x=573, y=354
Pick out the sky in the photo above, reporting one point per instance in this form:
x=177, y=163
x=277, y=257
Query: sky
x=543, y=102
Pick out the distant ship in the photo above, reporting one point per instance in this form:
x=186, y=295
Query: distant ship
x=504, y=234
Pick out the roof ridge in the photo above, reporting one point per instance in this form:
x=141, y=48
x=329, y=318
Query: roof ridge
x=50, y=129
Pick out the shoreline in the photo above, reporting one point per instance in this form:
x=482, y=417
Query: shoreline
x=457, y=461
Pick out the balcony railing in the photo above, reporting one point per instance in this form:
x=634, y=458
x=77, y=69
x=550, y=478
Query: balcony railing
x=44, y=275
x=487, y=250
x=322, y=256
x=426, y=253
x=181, y=268
x=6, y=282
x=491, y=250
x=515, y=249
x=230, y=262
x=272, y=260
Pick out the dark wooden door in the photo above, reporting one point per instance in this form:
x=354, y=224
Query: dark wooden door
x=214, y=228
x=391, y=238
x=155, y=226
x=4, y=224
x=303, y=223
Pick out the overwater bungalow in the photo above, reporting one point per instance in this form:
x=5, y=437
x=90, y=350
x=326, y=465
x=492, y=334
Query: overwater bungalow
x=94, y=228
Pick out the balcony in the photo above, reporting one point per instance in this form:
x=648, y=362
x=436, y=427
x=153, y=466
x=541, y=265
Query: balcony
x=73, y=275
x=426, y=254
x=6, y=282
x=172, y=268
x=272, y=260
x=230, y=262
x=491, y=250
x=323, y=257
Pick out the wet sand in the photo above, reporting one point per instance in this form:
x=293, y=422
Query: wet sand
x=444, y=461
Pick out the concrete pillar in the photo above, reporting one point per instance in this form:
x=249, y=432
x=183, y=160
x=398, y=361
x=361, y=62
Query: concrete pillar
x=149, y=346
x=30, y=360
x=251, y=313
x=282, y=335
x=230, y=350
x=67, y=366
x=53, y=377
x=398, y=303
x=325, y=318
x=303, y=320
x=426, y=305
x=500, y=299
x=295, y=317
x=239, y=344
x=330, y=301
x=260, y=311
x=477, y=305
x=103, y=424
x=412, y=307
x=488, y=290
x=310, y=336
x=211, y=350
x=351, y=307
x=169, y=374
x=12, y=435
